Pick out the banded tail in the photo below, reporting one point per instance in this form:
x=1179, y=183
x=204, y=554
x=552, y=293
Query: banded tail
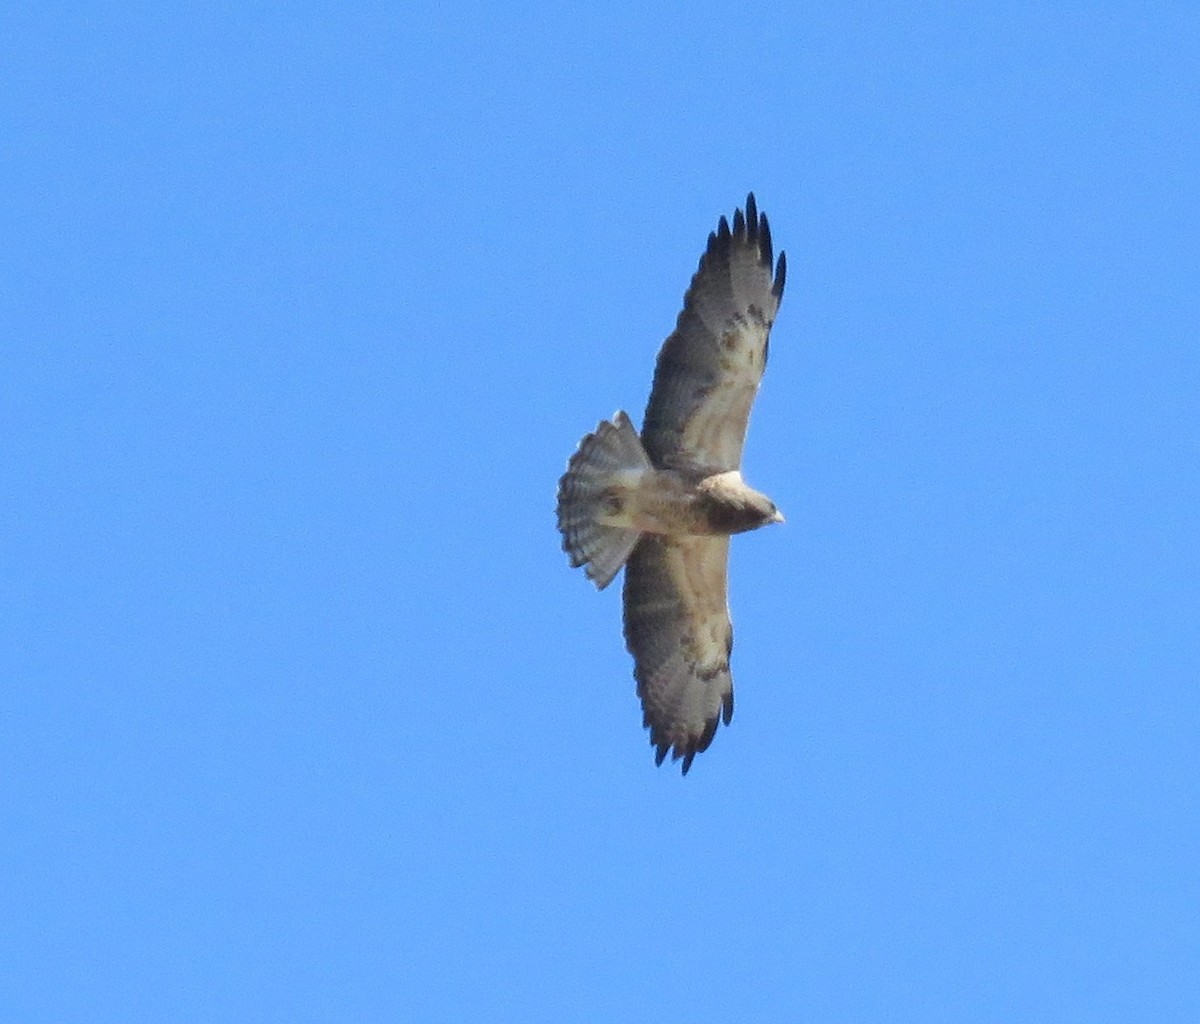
x=605, y=459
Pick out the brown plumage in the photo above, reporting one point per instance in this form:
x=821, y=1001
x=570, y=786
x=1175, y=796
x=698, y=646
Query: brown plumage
x=665, y=504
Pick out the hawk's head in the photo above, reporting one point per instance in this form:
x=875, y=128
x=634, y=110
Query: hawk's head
x=732, y=507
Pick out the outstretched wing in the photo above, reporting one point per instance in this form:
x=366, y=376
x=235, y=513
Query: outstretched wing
x=709, y=369
x=677, y=629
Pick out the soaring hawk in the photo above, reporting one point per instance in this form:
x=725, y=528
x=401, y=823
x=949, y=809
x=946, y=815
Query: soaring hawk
x=664, y=504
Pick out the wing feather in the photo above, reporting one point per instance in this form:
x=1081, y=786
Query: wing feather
x=677, y=628
x=709, y=369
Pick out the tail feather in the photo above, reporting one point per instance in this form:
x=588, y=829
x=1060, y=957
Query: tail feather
x=584, y=493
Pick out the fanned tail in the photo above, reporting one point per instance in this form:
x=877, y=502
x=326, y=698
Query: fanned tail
x=610, y=457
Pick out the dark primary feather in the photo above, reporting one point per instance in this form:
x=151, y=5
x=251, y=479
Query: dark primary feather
x=709, y=369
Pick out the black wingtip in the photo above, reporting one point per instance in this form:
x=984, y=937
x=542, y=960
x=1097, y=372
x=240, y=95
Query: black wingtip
x=687, y=761
x=780, y=277
x=706, y=738
x=765, y=248
x=747, y=224
x=755, y=228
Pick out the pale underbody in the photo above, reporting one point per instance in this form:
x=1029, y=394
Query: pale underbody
x=668, y=502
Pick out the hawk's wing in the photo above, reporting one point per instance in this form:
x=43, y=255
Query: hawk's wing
x=677, y=629
x=709, y=369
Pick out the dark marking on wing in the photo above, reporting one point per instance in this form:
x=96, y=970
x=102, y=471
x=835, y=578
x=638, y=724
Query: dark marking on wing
x=709, y=369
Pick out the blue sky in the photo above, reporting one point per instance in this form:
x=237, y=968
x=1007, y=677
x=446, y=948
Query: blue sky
x=304, y=716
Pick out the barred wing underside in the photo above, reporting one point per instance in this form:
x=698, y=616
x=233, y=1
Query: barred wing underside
x=677, y=628
x=709, y=369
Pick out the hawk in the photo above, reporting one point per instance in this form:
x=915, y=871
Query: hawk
x=664, y=503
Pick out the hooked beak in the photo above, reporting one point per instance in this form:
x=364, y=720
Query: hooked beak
x=778, y=517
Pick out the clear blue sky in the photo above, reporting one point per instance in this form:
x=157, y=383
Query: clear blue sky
x=303, y=715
